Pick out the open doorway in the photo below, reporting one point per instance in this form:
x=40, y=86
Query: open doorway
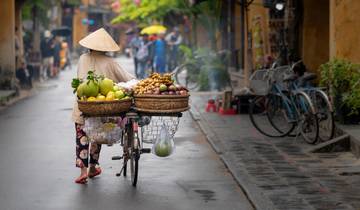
x=315, y=33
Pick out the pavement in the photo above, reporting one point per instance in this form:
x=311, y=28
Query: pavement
x=37, y=164
x=279, y=173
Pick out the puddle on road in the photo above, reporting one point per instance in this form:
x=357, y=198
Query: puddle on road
x=46, y=86
x=66, y=109
x=207, y=195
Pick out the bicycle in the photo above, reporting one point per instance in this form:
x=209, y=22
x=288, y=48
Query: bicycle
x=132, y=141
x=284, y=108
x=323, y=106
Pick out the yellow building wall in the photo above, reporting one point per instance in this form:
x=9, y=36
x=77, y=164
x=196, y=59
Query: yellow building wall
x=257, y=17
x=7, y=41
x=237, y=26
x=79, y=30
x=315, y=33
x=345, y=29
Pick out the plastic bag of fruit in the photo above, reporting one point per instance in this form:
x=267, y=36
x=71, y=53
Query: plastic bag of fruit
x=164, y=144
x=103, y=130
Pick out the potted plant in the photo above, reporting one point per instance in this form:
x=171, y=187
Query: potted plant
x=342, y=78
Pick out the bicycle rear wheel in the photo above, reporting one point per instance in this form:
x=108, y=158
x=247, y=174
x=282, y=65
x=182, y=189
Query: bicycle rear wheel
x=324, y=113
x=125, y=151
x=185, y=75
x=309, y=124
x=268, y=115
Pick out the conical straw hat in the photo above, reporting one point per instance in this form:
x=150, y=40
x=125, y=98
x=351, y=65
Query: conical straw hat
x=99, y=40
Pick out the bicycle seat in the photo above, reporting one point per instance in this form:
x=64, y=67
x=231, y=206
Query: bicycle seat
x=290, y=77
x=308, y=76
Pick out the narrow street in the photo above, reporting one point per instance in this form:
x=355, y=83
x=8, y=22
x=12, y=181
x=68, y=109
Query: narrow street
x=37, y=166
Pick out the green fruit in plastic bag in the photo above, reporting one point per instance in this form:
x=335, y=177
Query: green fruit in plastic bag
x=164, y=144
x=163, y=150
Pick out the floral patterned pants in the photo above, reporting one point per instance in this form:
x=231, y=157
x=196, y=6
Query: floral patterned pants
x=82, y=149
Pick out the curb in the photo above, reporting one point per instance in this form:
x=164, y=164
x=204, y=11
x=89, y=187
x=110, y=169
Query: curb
x=24, y=95
x=253, y=194
x=209, y=134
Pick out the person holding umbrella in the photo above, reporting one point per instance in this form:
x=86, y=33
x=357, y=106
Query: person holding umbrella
x=98, y=43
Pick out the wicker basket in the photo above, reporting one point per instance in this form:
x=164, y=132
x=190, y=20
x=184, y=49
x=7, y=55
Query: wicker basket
x=162, y=103
x=104, y=108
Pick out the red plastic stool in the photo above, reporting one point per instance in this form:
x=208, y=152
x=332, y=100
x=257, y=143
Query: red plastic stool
x=230, y=111
x=211, y=105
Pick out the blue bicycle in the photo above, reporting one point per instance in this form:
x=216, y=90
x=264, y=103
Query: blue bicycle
x=281, y=106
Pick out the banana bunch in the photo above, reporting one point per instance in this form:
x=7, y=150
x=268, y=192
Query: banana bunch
x=153, y=83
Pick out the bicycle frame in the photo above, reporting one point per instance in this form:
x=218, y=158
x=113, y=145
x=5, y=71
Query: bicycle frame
x=290, y=102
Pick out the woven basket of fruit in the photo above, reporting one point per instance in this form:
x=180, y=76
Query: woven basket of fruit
x=159, y=94
x=162, y=103
x=104, y=108
x=100, y=96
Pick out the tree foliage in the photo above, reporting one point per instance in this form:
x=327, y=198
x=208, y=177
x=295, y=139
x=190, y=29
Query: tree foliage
x=42, y=8
x=206, y=13
x=146, y=11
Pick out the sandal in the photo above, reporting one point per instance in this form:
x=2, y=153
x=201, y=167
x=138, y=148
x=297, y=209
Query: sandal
x=81, y=179
x=97, y=172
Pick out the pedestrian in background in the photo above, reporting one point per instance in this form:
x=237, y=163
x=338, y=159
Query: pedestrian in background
x=47, y=53
x=159, y=53
x=135, y=45
x=143, y=56
x=23, y=75
x=57, y=48
x=173, y=40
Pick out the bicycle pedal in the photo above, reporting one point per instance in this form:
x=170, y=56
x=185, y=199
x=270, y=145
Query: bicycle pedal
x=117, y=158
x=145, y=150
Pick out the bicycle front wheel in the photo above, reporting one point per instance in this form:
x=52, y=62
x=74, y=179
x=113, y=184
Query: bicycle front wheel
x=268, y=115
x=134, y=166
x=134, y=155
x=309, y=124
x=325, y=114
x=185, y=75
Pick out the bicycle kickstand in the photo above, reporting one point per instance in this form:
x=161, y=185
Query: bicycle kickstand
x=118, y=158
x=122, y=169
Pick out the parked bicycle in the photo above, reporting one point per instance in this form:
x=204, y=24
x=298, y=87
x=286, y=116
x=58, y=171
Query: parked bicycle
x=280, y=109
x=321, y=101
x=287, y=101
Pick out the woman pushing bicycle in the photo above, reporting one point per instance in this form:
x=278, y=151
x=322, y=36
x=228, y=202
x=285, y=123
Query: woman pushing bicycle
x=98, y=43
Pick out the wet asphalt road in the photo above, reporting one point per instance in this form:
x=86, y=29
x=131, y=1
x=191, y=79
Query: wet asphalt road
x=37, y=166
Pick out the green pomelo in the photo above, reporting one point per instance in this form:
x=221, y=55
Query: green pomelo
x=91, y=88
x=106, y=85
x=80, y=90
